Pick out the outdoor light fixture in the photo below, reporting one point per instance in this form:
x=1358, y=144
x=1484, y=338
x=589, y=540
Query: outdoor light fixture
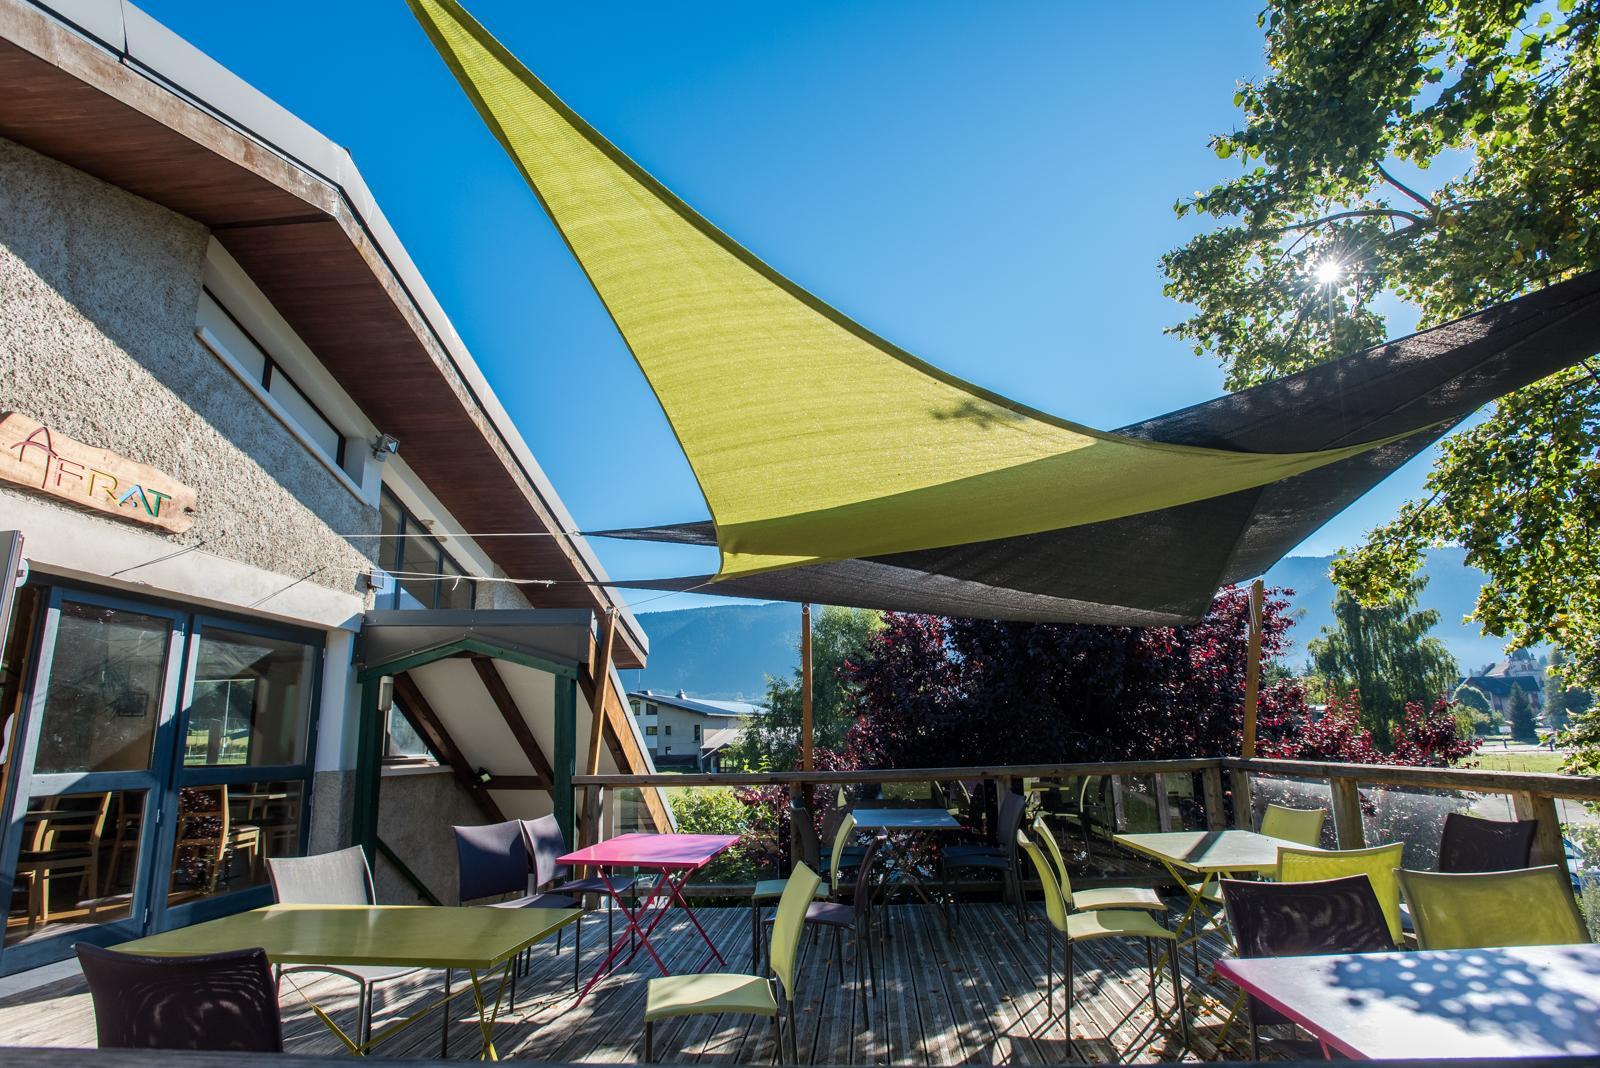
x=484, y=778
x=384, y=446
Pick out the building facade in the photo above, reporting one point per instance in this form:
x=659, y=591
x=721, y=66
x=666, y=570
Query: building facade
x=234, y=424
x=684, y=731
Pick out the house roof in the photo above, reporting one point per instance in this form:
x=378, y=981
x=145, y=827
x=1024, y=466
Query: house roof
x=720, y=739
x=701, y=705
x=105, y=88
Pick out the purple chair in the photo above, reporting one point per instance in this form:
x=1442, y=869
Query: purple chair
x=221, y=1002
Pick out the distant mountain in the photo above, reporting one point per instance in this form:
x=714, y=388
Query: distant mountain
x=726, y=652
x=1452, y=590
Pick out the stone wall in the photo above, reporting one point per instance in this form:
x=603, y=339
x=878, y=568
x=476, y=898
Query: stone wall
x=98, y=296
x=416, y=810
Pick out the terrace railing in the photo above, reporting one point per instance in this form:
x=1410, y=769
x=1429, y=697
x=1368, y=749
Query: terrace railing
x=1368, y=804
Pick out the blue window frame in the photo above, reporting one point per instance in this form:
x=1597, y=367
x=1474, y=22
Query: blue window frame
x=159, y=757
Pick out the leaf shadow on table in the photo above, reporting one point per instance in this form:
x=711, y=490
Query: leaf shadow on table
x=1487, y=992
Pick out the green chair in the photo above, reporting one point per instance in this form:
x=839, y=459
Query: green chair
x=766, y=891
x=720, y=992
x=1303, y=825
x=1484, y=910
x=1075, y=927
x=1108, y=897
x=1377, y=863
x=841, y=858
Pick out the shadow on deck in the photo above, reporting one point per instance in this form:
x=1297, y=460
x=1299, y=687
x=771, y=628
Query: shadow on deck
x=975, y=997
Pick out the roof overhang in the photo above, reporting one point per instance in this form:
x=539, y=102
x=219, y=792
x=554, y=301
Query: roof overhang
x=108, y=90
x=556, y=641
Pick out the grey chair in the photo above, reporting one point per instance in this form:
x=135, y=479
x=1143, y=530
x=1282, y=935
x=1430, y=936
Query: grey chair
x=338, y=878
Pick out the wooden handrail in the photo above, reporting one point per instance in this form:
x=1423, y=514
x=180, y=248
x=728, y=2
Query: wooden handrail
x=893, y=775
x=1576, y=787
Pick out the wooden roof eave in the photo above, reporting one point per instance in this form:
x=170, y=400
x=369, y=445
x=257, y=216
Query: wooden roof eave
x=302, y=241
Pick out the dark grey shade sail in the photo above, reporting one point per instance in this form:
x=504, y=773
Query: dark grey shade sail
x=1163, y=567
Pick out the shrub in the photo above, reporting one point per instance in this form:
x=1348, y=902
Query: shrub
x=717, y=810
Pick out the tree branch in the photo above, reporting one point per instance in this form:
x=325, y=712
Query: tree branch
x=1408, y=191
x=1357, y=213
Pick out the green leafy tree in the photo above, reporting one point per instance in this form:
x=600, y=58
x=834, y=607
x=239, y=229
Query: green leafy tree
x=1477, y=711
x=1523, y=728
x=1336, y=206
x=771, y=741
x=1385, y=655
x=1562, y=699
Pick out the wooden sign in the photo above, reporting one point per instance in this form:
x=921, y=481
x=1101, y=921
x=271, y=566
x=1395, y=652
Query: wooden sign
x=33, y=455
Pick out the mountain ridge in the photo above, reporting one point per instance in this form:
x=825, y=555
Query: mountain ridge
x=727, y=651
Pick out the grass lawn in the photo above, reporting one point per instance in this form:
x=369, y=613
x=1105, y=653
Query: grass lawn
x=1490, y=760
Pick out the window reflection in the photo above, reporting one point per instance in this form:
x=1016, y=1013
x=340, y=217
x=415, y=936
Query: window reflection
x=225, y=833
x=103, y=697
x=252, y=700
x=78, y=863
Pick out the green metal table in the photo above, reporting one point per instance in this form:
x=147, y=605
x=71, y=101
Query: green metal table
x=479, y=941
x=1210, y=855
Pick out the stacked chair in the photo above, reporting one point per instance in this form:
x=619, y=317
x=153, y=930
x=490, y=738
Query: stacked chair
x=1002, y=857
x=492, y=861
x=1074, y=926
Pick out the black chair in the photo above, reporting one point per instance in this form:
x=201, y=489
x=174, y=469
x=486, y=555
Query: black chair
x=1297, y=920
x=1470, y=844
x=545, y=843
x=1002, y=858
x=493, y=861
x=222, y=1002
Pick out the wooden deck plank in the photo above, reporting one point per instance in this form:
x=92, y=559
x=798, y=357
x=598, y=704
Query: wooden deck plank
x=974, y=998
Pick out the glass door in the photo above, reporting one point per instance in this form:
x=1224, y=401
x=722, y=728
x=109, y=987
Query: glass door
x=86, y=760
x=243, y=777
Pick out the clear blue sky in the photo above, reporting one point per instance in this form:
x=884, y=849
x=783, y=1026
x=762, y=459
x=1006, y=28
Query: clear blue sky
x=990, y=186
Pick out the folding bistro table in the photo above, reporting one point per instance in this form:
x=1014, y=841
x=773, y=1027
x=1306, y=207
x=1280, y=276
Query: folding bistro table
x=906, y=819
x=479, y=941
x=674, y=857
x=1532, y=1001
x=1211, y=855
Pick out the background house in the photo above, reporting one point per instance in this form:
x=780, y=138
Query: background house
x=1496, y=680
x=684, y=731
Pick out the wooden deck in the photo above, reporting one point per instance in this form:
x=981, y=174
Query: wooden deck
x=973, y=998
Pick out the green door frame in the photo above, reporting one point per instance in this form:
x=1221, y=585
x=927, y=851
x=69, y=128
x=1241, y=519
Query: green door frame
x=370, y=728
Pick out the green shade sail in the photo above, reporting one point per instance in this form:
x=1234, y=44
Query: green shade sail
x=840, y=469
x=812, y=438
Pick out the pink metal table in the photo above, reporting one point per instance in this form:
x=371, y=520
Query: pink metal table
x=1534, y=1001
x=674, y=857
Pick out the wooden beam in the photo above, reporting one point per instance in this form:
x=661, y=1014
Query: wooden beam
x=416, y=709
x=1244, y=816
x=601, y=672
x=1252, y=669
x=1216, y=813
x=1548, y=847
x=631, y=754
x=519, y=782
x=1347, y=822
x=805, y=687
x=1163, y=802
x=501, y=696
